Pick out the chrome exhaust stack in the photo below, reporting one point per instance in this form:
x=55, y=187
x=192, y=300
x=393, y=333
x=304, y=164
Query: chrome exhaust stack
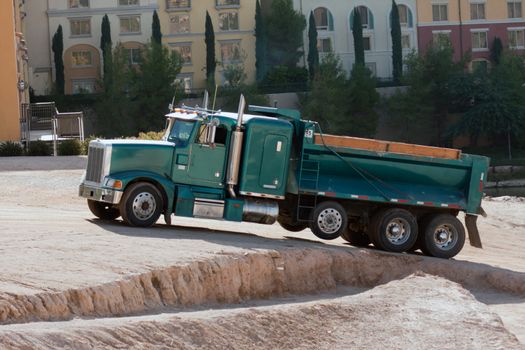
x=232, y=177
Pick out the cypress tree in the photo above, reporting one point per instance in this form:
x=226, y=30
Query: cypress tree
x=105, y=46
x=496, y=51
x=357, y=31
x=397, y=50
x=313, y=53
x=156, y=34
x=58, y=48
x=261, y=43
x=209, y=38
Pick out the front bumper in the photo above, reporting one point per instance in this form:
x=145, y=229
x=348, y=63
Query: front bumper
x=99, y=194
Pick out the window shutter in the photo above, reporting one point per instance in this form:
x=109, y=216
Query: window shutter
x=370, y=20
x=330, y=21
x=410, y=19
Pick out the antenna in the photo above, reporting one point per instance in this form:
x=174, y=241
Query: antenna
x=215, y=97
x=171, y=106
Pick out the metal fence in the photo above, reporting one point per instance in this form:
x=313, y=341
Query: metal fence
x=43, y=122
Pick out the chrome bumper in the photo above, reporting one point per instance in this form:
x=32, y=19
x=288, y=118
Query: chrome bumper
x=99, y=194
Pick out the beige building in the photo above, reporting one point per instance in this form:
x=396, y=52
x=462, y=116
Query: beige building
x=13, y=70
x=183, y=27
x=81, y=22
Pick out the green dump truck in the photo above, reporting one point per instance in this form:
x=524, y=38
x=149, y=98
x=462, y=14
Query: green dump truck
x=273, y=166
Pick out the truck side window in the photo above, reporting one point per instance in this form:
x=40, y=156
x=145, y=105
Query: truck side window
x=181, y=132
x=220, y=135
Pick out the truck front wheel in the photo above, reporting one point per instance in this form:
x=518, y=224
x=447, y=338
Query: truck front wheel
x=329, y=220
x=102, y=210
x=443, y=236
x=141, y=205
x=393, y=230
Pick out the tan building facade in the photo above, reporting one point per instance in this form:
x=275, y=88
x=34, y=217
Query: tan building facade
x=81, y=22
x=183, y=28
x=13, y=70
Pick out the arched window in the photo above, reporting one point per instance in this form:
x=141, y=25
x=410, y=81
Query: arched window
x=405, y=16
x=323, y=19
x=367, y=18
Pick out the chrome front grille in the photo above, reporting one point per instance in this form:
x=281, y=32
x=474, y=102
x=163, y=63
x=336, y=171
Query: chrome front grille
x=95, y=165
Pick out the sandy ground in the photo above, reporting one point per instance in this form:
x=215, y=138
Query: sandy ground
x=53, y=250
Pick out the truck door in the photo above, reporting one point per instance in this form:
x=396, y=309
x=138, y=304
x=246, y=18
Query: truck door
x=181, y=135
x=207, y=161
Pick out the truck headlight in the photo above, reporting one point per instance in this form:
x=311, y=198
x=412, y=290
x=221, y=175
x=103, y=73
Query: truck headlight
x=113, y=183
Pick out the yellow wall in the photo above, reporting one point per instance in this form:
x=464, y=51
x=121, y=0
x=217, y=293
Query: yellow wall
x=9, y=97
x=197, y=14
x=494, y=10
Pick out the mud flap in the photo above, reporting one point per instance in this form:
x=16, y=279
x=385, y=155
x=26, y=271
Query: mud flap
x=472, y=229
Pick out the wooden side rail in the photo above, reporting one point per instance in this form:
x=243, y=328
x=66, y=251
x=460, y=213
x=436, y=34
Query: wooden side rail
x=387, y=146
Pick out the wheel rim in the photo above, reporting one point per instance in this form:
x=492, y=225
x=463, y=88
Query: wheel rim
x=445, y=237
x=398, y=231
x=144, y=206
x=329, y=220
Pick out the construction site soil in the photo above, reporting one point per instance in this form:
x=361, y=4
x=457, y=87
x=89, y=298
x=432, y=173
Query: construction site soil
x=69, y=280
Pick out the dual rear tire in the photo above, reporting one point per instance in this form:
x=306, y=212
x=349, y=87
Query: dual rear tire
x=392, y=229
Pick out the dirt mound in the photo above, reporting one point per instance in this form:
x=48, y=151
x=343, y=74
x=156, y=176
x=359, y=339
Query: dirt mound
x=235, y=278
x=438, y=314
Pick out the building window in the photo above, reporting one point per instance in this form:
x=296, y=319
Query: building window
x=185, y=81
x=80, y=27
x=440, y=39
x=229, y=21
x=81, y=59
x=367, y=18
x=479, y=41
x=516, y=39
x=133, y=55
x=178, y=4
x=477, y=11
x=439, y=12
x=225, y=3
x=84, y=86
x=367, y=43
x=180, y=24
x=324, y=45
x=405, y=41
x=128, y=2
x=405, y=16
x=184, y=50
x=514, y=9
x=231, y=51
x=130, y=24
x=323, y=19
x=76, y=4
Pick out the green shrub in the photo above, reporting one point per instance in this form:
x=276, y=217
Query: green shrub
x=152, y=135
x=39, y=148
x=71, y=147
x=85, y=145
x=11, y=149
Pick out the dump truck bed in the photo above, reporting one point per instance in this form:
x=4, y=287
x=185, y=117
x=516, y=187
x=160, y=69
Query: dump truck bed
x=390, y=172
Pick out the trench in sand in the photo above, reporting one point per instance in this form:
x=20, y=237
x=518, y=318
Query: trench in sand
x=233, y=278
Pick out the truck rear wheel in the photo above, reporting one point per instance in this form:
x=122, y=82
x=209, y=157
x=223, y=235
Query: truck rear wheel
x=141, y=205
x=104, y=211
x=393, y=230
x=329, y=220
x=443, y=236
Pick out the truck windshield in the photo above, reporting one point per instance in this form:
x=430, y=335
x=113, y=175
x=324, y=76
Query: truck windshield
x=181, y=132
